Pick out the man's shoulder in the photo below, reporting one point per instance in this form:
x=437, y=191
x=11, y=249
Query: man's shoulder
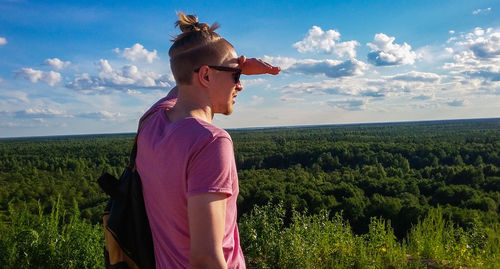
x=203, y=130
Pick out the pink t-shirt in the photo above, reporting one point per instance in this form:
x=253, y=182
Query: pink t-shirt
x=176, y=160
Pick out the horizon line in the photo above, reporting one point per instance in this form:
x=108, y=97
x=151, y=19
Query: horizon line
x=269, y=127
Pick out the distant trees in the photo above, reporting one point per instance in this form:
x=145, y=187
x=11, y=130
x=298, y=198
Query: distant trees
x=394, y=171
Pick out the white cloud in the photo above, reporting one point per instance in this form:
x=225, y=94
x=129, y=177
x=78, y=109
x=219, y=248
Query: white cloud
x=404, y=87
x=433, y=54
x=457, y=102
x=256, y=81
x=113, y=77
x=57, y=63
x=40, y=113
x=30, y=73
x=345, y=86
x=479, y=11
x=384, y=52
x=51, y=77
x=129, y=77
x=349, y=104
x=34, y=76
x=287, y=98
x=451, y=32
x=484, y=44
x=318, y=40
x=477, y=54
x=410, y=91
x=13, y=99
x=329, y=68
x=347, y=48
x=133, y=92
x=101, y=115
x=3, y=41
x=138, y=53
x=424, y=97
x=478, y=31
x=86, y=83
x=256, y=100
x=9, y=124
x=417, y=76
x=283, y=62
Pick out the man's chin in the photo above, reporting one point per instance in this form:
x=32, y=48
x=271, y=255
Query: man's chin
x=229, y=111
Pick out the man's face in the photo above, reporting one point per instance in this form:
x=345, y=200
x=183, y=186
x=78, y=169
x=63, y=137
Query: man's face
x=225, y=89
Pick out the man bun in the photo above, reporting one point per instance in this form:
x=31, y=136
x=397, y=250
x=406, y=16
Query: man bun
x=189, y=23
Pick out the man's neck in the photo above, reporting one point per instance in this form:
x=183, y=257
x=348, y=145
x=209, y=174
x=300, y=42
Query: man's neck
x=191, y=102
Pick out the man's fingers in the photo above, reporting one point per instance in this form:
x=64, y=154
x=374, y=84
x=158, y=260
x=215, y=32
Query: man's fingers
x=275, y=70
x=241, y=60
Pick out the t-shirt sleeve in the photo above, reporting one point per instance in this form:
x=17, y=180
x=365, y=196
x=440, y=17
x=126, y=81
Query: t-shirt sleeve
x=211, y=169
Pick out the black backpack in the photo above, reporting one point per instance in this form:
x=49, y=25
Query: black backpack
x=129, y=242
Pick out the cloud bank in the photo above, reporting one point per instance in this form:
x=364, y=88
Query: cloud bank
x=328, y=67
x=128, y=77
x=477, y=54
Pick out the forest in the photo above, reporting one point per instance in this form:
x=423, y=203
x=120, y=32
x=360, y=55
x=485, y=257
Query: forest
x=384, y=195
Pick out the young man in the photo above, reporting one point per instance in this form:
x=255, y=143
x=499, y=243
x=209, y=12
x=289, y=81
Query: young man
x=186, y=164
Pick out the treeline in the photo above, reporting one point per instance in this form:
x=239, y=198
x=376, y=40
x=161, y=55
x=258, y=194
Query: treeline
x=395, y=171
x=38, y=170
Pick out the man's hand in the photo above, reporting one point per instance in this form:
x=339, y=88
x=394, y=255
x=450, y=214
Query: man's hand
x=254, y=66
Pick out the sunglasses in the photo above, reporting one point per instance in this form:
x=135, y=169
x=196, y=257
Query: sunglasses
x=236, y=74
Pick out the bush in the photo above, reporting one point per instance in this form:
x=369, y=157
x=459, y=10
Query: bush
x=321, y=241
x=58, y=240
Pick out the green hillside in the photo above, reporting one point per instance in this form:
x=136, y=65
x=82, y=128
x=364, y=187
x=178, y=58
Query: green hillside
x=395, y=195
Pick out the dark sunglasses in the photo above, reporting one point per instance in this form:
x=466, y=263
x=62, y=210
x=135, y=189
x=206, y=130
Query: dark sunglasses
x=236, y=74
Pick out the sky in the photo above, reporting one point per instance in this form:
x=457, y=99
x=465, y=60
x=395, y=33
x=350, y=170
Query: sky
x=92, y=67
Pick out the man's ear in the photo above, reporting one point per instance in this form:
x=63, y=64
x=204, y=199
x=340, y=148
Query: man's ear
x=204, y=76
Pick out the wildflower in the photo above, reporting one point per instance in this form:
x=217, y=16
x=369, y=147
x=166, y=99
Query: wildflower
x=383, y=249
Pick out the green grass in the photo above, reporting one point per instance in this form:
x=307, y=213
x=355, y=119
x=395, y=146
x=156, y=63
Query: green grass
x=56, y=240
x=321, y=241
x=270, y=237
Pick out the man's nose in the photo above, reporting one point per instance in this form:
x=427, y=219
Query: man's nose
x=239, y=87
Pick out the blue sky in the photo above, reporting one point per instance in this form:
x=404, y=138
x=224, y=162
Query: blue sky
x=84, y=67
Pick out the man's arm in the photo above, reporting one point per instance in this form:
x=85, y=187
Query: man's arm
x=207, y=216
